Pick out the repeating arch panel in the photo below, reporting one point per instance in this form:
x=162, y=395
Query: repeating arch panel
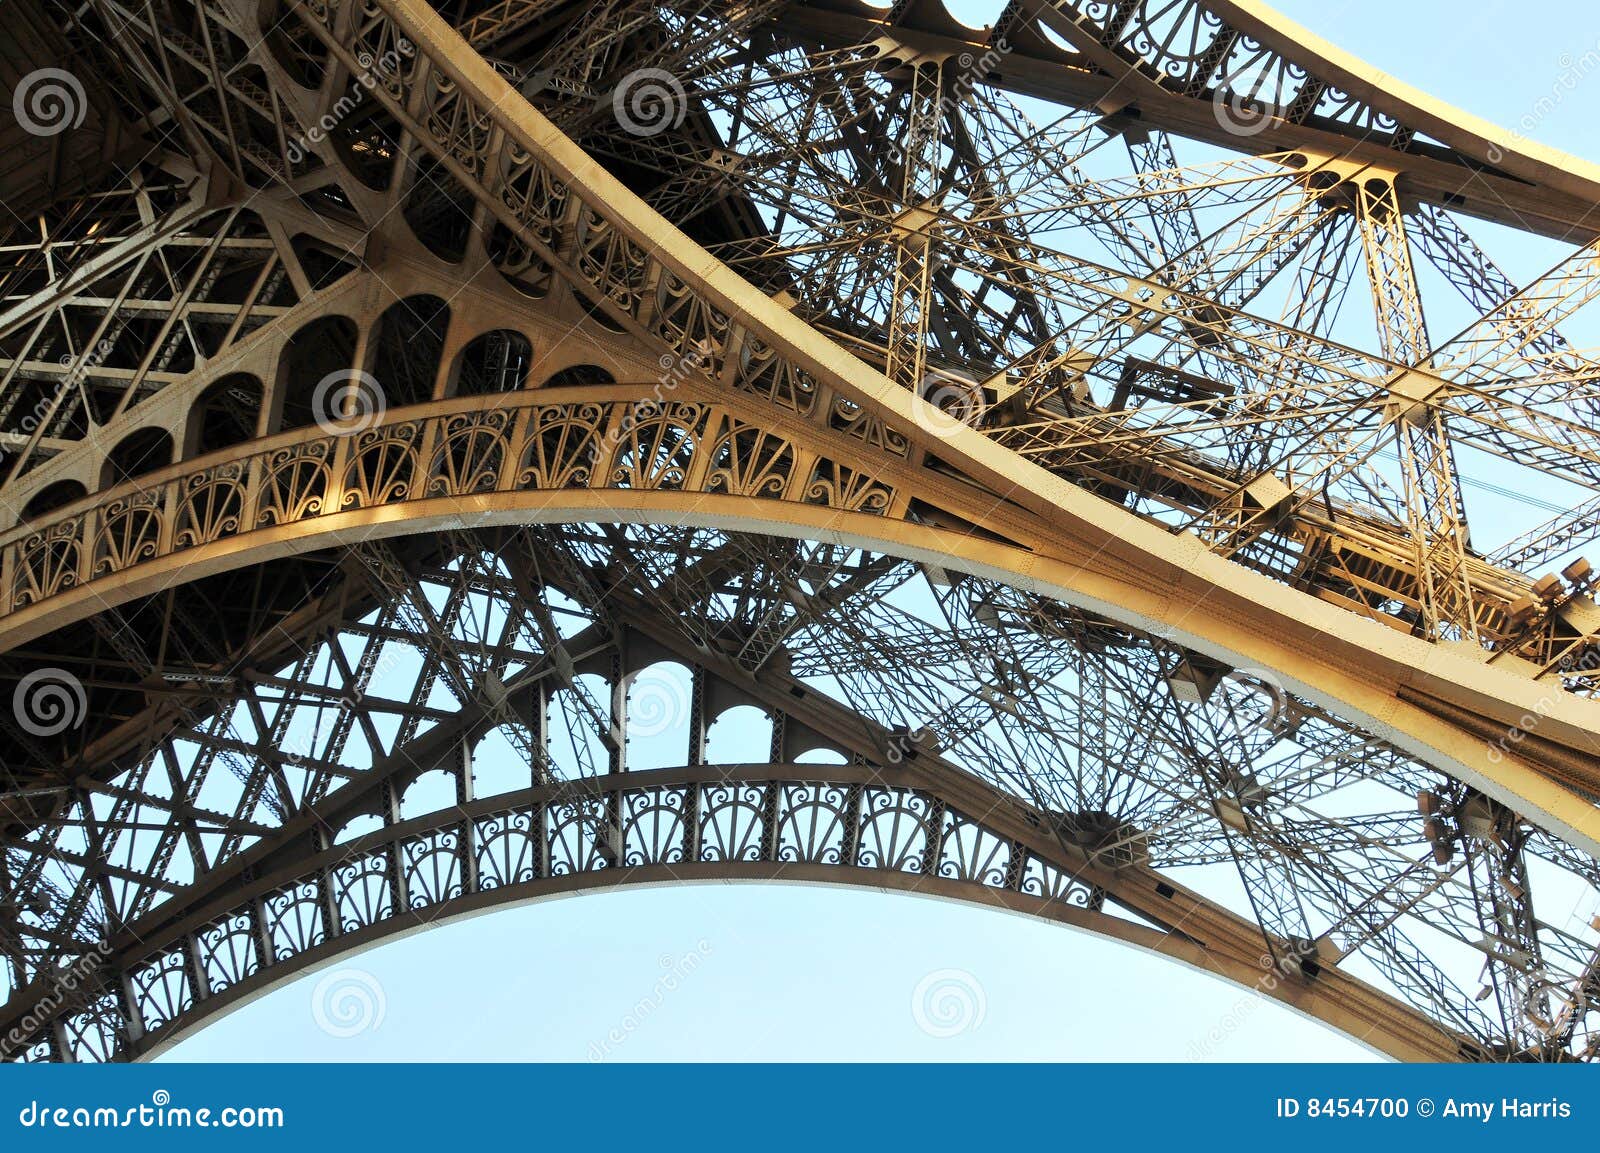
x=876, y=829
x=838, y=453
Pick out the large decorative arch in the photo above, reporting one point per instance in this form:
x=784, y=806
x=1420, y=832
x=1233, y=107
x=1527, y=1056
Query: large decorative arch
x=606, y=452
x=757, y=442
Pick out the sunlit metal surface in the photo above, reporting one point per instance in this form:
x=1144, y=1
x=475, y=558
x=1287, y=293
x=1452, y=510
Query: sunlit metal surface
x=1094, y=445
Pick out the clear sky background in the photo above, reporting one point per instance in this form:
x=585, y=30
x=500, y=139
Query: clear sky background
x=791, y=973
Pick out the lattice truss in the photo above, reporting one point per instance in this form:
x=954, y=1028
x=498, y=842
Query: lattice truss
x=540, y=656
x=1173, y=337
x=1137, y=243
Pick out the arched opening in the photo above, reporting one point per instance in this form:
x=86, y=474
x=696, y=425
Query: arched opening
x=820, y=755
x=657, y=724
x=136, y=454
x=226, y=414
x=51, y=497
x=358, y=827
x=430, y=792
x=741, y=735
x=500, y=762
x=439, y=210
x=365, y=139
x=320, y=350
x=522, y=267
x=497, y=361
x=410, y=345
x=579, y=724
x=579, y=374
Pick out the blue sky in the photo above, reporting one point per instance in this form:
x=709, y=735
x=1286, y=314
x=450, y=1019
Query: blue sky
x=797, y=973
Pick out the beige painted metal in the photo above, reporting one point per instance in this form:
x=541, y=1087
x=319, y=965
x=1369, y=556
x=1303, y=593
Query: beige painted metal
x=983, y=509
x=1223, y=622
x=1069, y=541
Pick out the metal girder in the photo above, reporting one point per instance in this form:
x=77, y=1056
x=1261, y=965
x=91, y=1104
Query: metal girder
x=913, y=820
x=1025, y=465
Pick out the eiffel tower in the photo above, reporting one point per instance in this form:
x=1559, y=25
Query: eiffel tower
x=1055, y=438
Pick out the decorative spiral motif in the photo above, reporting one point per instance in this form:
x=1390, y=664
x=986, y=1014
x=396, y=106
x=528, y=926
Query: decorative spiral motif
x=658, y=702
x=348, y=401
x=1240, y=115
x=944, y=403
x=948, y=1002
x=649, y=101
x=49, y=101
x=348, y=1002
x=49, y=701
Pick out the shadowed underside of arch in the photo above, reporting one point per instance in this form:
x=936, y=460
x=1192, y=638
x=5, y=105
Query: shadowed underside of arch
x=999, y=746
x=558, y=703
x=411, y=399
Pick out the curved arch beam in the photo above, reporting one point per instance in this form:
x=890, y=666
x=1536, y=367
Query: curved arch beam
x=1315, y=94
x=600, y=454
x=894, y=830
x=680, y=296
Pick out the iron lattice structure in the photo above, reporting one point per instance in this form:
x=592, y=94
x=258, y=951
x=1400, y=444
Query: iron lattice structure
x=1058, y=435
